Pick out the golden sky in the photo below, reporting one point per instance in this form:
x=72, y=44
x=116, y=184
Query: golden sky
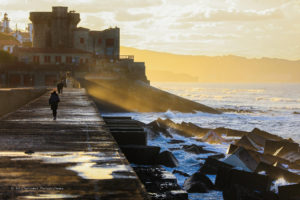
x=251, y=28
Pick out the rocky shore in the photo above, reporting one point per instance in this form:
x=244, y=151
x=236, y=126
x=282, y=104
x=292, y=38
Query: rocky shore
x=258, y=165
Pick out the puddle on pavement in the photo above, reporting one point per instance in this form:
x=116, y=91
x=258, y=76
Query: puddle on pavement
x=52, y=196
x=85, y=163
x=92, y=171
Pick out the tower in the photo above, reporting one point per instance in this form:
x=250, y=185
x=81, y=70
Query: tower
x=54, y=29
x=5, y=24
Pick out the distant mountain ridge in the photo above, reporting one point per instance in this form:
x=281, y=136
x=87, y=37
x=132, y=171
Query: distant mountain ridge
x=216, y=68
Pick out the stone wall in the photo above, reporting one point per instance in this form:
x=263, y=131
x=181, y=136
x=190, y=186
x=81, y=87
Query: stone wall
x=12, y=99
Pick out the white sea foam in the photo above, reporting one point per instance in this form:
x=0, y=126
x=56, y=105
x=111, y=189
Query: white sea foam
x=279, y=182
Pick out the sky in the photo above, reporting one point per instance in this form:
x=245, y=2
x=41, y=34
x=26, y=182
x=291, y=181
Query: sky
x=250, y=28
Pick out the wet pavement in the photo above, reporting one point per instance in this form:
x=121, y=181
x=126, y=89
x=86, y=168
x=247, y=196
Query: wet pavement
x=74, y=157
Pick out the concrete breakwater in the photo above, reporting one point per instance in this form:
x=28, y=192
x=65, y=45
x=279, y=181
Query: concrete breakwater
x=74, y=157
x=124, y=96
x=13, y=98
x=132, y=138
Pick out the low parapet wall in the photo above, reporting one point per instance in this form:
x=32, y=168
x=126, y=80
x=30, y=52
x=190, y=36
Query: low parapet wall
x=13, y=98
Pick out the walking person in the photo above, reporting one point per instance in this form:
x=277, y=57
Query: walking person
x=53, y=102
x=60, y=86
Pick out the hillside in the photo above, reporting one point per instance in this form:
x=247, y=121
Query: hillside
x=215, y=69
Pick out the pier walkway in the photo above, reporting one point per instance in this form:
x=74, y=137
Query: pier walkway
x=74, y=157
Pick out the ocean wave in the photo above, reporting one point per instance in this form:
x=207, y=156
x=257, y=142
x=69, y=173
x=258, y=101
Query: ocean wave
x=278, y=99
x=179, y=115
x=236, y=91
x=279, y=182
x=240, y=110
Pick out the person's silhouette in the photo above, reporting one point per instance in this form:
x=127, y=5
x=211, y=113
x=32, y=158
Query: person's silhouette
x=53, y=102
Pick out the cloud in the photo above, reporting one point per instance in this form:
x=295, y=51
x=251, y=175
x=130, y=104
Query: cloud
x=127, y=16
x=79, y=5
x=253, y=28
x=232, y=15
x=186, y=25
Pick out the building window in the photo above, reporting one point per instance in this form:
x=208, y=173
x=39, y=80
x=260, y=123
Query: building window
x=81, y=60
x=110, y=42
x=86, y=60
x=47, y=59
x=57, y=59
x=99, y=41
x=81, y=40
x=69, y=59
x=36, y=59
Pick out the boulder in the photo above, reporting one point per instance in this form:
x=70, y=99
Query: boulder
x=195, y=149
x=175, y=141
x=289, y=192
x=270, y=159
x=257, y=139
x=177, y=195
x=158, y=126
x=230, y=132
x=167, y=159
x=212, y=166
x=239, y=192
x=198, y=183
x=266, y=134
x=244, y=159
x=247, y=143
x=174, y=148
x=159, y=183
x=213, y=138
x=280, y=148
x=222, y=177
x=291, y=156
x=190, y=129
x=277, y=172
x=175, y=171
x=248, y=180
x=232, y=148
x=138, y=154
x=217, y=156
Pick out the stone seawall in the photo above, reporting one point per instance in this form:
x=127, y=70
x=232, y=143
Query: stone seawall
x=137, y=96
x=13, y=98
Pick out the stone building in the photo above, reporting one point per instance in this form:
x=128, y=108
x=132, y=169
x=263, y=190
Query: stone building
x=57, y=33
x=59, y=47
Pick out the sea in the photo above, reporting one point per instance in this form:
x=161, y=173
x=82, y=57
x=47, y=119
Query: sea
x=273, y=107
